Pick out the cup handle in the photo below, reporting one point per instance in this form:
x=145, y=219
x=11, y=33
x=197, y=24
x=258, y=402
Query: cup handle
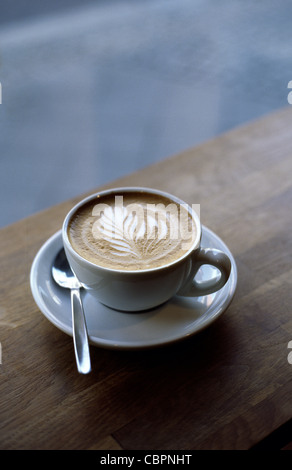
x=213, y=257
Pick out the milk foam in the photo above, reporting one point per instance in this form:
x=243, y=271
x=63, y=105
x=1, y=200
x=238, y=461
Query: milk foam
x=132, y=231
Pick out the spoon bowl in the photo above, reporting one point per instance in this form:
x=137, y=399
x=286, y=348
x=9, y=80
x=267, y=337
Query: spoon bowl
x=62, y=273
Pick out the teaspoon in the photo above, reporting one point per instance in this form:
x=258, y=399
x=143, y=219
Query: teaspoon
x=64, y=277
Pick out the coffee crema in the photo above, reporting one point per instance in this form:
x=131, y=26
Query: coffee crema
x=132, y=231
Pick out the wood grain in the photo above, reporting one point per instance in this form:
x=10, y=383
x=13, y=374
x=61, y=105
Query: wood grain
x=228, y=387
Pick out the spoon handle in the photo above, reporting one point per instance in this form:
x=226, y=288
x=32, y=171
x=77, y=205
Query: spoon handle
x=80, y=337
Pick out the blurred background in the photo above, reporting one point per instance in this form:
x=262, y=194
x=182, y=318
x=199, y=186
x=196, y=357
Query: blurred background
x=93, y=90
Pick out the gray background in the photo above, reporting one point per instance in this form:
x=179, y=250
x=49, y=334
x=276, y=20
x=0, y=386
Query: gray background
x=93, y=90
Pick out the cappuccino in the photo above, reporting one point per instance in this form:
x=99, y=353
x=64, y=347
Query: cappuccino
x=132, y=231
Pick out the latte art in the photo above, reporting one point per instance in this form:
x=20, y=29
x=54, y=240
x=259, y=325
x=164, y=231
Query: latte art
x=132, y=231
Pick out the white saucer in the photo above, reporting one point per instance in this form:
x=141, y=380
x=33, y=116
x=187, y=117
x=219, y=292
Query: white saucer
x=177, y=319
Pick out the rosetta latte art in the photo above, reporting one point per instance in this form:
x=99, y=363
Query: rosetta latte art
x=137, y=232
x=134, y=236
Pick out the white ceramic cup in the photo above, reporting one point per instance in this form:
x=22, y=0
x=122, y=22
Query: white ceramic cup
x=141, y=290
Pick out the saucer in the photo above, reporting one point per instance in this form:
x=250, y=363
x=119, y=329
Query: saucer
x=173, y=321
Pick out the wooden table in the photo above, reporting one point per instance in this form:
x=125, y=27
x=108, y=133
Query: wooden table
x=230, y=386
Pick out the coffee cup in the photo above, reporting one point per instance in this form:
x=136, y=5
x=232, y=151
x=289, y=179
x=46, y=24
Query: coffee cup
x=135, y=248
